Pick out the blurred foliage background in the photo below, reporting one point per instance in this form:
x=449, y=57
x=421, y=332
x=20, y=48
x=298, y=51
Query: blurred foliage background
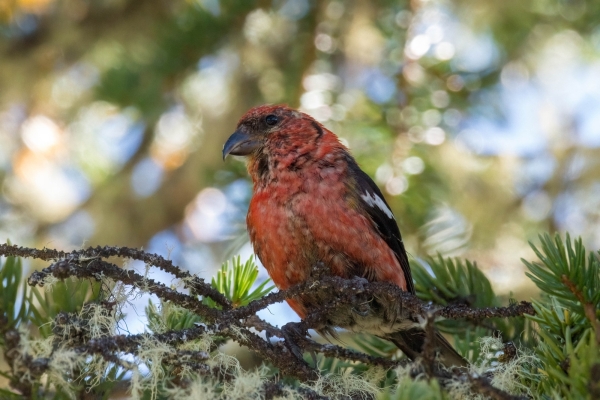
x=480, y=120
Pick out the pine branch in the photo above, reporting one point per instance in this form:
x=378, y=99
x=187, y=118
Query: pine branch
x=197, y=285
x=589, y=308
x=484, y=387
x=339, y=295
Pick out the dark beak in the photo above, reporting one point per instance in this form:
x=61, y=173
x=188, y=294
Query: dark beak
x=239, y=144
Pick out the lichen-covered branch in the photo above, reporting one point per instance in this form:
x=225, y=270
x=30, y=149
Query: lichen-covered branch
x=196, y=284
x=236, y=323
x=483, y=386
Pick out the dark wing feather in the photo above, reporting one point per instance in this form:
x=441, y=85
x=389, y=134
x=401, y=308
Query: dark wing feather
x=382, y=217
x=411, y=343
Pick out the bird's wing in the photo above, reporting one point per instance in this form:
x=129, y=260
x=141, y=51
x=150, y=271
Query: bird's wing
x=373, y=202
x=411, y=343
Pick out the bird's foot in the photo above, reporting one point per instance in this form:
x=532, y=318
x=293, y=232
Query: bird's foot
x=319, y=270
x=363, y=309
x=293, y=333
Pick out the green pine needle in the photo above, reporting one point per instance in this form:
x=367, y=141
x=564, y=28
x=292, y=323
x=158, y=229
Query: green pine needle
x=567, y=315
x=566, y=271
x=449, y=280
x=234, y=280
x=14, y=308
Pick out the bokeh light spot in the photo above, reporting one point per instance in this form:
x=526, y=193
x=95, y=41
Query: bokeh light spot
x=146, y=177
x=413, y=165
x=40, y=133
x=435, y=136
x=396, y=185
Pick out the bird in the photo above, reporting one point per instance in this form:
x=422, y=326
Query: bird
x=312, y=204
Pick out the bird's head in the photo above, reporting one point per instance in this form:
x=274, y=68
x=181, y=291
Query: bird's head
x=266, y=127
x=276, y=136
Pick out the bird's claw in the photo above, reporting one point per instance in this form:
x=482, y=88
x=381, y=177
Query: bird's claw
x=292, y=331
x=319, y=270
x=362, y=309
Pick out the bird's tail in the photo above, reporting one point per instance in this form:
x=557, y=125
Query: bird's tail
x=411, y=343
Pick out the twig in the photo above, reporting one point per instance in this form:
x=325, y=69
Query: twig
x=329, y=350
x=588, y=308
x=277, y=354
x=483, y=386
x=195, y=283
x=428, y=353
x=477, y=314
x=98, y=269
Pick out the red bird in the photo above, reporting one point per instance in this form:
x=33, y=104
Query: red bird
x=312, y=204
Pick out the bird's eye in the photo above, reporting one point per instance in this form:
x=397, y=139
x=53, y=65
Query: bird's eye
x=271, y=119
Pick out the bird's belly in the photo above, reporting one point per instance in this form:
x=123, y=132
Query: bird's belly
x=292, y=233
x=282, y=241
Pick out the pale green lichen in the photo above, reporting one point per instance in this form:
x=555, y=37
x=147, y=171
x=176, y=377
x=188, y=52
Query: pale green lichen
x=151, y=352
x=246, y=385
x=343, y=385
x=101, y=321
x=506, y=376
x=201, y=388
x=49, y=282
x=63, y=367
